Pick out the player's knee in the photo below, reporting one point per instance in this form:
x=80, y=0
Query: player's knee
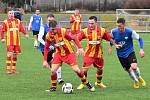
x=85, y=70
x=9, y=54
x=134, y=66
x=100, y=68
x=75, y=68
x=53, y=70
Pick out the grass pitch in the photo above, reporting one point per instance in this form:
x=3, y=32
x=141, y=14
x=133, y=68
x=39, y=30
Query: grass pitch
x=32, y=80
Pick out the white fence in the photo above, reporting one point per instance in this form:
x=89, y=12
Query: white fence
x=139, y=26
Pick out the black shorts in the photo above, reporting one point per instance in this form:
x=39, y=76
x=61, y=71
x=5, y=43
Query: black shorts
x=126, y=62
x=35, y=32
x=49, y=56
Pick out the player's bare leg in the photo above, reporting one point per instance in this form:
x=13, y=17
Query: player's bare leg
x=35, y=41
x=133, y=75
x=59, y=78
x=53, y=77
x=139, y=80
x=84, y=80
x=81, y=86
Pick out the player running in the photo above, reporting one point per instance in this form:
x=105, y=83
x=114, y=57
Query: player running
x=124, y=36
x=94, y=34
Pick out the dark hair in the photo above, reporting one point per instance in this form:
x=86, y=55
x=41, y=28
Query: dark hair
x=37, y=9
x=121, y=20
x=76, y=9
x=93, y=17
x=50, y=15
x=18, y=15
x=53, y=23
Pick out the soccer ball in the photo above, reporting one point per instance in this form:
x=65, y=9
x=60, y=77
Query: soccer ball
x=67, y=88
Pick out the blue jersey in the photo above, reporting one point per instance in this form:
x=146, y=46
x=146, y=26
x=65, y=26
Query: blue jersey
x=36, y=22
x=46, y=30
x=125, y=39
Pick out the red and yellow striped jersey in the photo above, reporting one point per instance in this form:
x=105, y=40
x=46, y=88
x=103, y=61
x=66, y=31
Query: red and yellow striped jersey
x=76, y=22
x=12, y=27
x=61, y=41
x=94, y=41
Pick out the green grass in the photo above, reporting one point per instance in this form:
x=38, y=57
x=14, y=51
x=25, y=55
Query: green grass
x=32, y=80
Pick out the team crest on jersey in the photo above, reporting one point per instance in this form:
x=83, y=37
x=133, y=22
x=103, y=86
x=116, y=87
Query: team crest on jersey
x=126, y=38
x=37, y=21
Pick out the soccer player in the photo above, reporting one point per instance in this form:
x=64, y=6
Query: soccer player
x=75, y=20
x=124, y=36
x=94, y=34
x=35, y=23
x=64, y=53
x=44, y=29
x=12, y=27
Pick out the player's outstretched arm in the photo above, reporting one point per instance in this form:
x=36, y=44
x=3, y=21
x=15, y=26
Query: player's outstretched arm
x=47, y=44
x=45, y=64
x=141, y=43
x=110, y=50
x=29, y=26
x=141, y=53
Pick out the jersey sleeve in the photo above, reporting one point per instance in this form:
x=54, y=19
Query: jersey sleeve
x=106, y=35
x=135, y=35
x=47, y=44
x=22, y=29
x=30, y=23
x=40, y=35
x=3, y=29
x=81, y=36
x=72, y=19
x=72, y=37
x=112, y=33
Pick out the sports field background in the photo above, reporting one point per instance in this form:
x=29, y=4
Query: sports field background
x=32, y=80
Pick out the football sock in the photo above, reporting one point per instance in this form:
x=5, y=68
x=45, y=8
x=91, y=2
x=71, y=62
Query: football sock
x=59, y=73
x=35, y=43
x=14, y=60
x=85, y=73
x=99, y=75
x=54, y=80
x=137, y=72
x=8, y=62
x=133, y=76
x=82, y=77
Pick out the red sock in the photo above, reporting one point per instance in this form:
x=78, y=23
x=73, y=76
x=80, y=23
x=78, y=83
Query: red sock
x=14, y=60
x=54, y=79
x=82, y=77
x=8, y=62
x=99, y=75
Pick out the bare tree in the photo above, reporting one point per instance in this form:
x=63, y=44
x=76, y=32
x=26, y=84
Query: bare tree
x=59, y=4
x=137, y=4
x=99, y=5
x=105, y=5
